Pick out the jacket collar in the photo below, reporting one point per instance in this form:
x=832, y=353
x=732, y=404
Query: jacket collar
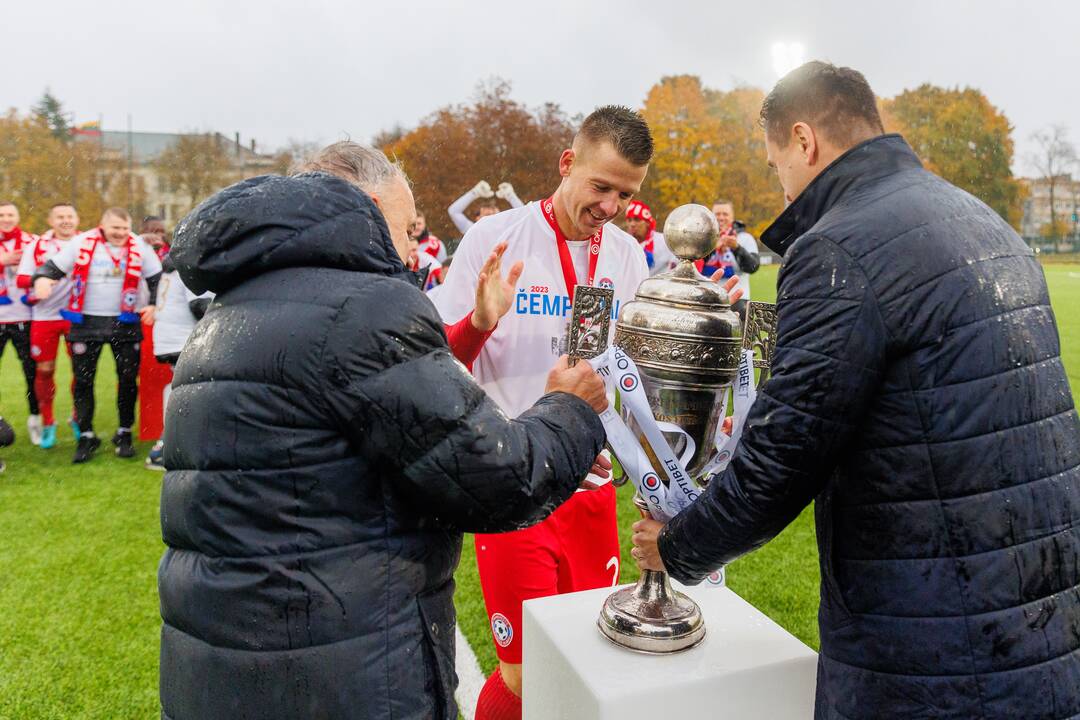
x=870, y=160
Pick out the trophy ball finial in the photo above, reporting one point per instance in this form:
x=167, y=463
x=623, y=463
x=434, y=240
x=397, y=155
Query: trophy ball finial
x=691, y=231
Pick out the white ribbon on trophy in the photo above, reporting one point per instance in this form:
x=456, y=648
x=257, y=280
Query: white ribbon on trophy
x=665, y=501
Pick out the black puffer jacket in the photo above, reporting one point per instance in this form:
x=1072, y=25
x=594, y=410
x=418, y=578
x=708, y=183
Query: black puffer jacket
x=325, y=453
x=918, y=395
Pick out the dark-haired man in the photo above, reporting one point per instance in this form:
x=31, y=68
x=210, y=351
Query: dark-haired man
x=918, y=396
x=565, y=239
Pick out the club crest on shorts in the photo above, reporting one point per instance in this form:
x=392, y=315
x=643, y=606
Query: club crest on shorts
x=501, y=629
x=35, y=351
x=628, y=382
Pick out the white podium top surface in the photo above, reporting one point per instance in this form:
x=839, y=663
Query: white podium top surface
x=747, y=665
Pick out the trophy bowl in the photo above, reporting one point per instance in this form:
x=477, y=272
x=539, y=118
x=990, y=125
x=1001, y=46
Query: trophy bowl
x=686, y=341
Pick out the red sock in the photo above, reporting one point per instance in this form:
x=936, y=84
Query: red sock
x=45, y=389
x=496, y=701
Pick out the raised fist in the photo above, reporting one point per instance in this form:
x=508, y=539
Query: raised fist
x=505, y=191
x=482, y=189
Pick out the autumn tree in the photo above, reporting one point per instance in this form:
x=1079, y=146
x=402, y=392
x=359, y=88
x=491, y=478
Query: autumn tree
x=493, y=138
x=197, y=165
x=708, y=147
x=962, y=137
x=51, y=111
x=1054, y=160
x=38, y=169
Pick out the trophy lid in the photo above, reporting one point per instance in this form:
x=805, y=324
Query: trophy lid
x=680, y=323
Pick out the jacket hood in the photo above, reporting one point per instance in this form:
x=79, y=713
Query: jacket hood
x=868, y=161
x=272, y=222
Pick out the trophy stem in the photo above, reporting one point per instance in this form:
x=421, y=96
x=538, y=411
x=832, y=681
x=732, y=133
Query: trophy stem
x=651, y=617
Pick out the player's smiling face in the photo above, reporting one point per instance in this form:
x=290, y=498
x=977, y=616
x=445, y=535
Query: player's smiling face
x=9, y=217
x=598, y=183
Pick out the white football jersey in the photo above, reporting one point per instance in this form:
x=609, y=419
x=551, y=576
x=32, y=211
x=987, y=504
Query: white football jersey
x=48, y=309
x=514, y=363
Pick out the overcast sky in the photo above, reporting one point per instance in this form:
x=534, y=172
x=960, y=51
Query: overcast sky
x=320, y=69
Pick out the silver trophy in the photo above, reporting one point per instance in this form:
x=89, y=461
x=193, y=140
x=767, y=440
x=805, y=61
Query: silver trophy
x=684, y=337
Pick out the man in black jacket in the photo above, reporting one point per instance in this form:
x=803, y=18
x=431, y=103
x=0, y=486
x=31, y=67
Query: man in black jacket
x=325, y=451
x=919, y=397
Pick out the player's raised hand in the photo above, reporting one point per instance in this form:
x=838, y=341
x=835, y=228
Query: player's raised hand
x=733, y=295
x=482, y=189
x=494, y=293
x=505, y=191
x=580, y=380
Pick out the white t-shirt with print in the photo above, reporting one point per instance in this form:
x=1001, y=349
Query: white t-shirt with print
x=104, y=287
x=514, y=363
x=174, y=320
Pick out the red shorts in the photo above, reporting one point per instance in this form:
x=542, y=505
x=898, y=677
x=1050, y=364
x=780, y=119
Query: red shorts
x=576, y=548
x=45, y=339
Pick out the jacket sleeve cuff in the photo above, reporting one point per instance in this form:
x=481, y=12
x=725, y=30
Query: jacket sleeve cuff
x=668, y=543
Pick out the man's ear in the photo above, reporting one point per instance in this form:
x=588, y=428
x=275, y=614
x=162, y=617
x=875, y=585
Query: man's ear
x=807, y=141
x=375, y=199
x=566, y=161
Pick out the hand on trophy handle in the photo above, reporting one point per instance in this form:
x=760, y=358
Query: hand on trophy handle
x=580, y=380
x=646, y=551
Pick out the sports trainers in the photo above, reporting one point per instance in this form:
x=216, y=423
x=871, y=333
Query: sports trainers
x=154, y=459
x=122, y=441
x=48, y=437
x=88, y=445
x=33, y=429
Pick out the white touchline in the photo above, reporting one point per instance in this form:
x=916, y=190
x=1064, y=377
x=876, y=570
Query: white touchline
x=470, y=678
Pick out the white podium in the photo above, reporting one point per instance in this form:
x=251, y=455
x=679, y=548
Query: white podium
x=746, y=667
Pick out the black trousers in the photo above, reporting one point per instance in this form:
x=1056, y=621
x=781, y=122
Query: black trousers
x=84, y=362
x=19, y=335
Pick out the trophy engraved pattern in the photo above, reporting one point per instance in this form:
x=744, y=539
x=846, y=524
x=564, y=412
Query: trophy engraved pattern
x=694, y=353
x=590, y=321
x=759, y=334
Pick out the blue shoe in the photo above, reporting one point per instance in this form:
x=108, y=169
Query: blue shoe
x=48, y=437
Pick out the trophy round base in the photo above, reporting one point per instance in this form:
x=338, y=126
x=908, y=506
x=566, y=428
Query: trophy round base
x=651, y=617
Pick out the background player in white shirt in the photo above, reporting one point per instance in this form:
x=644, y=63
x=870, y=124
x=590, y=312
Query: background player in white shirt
x=106, y=266
x=481, y=191
x=737, y=249
x=565, y=239
x=46, y=325
x=14, y=310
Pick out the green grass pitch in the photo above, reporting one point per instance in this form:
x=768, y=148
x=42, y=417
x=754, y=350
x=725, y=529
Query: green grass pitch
x=79, y=549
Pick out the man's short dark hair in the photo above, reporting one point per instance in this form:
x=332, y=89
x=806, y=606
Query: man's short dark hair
x=836, y=101
x=627, y=132
x=63, y=204
x=8, y=202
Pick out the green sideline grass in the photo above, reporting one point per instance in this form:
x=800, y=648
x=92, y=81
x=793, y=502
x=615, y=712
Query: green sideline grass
x=79, y=548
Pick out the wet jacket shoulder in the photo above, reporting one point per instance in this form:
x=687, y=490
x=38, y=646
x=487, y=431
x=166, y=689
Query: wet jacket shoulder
x=918, y=395
x=325, y=453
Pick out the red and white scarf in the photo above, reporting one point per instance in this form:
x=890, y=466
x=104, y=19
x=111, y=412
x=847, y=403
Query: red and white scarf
x=43, y=248
x=21, y=240
x=431, y=245
x=131, y=260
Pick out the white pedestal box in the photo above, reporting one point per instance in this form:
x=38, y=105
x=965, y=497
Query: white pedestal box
x=746, y=667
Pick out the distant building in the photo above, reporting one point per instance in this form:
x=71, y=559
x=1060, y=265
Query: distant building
x=1036, y=218
x=156, y=197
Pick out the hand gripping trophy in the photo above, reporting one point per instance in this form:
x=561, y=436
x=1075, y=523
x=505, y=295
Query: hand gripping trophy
x=679, y=352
